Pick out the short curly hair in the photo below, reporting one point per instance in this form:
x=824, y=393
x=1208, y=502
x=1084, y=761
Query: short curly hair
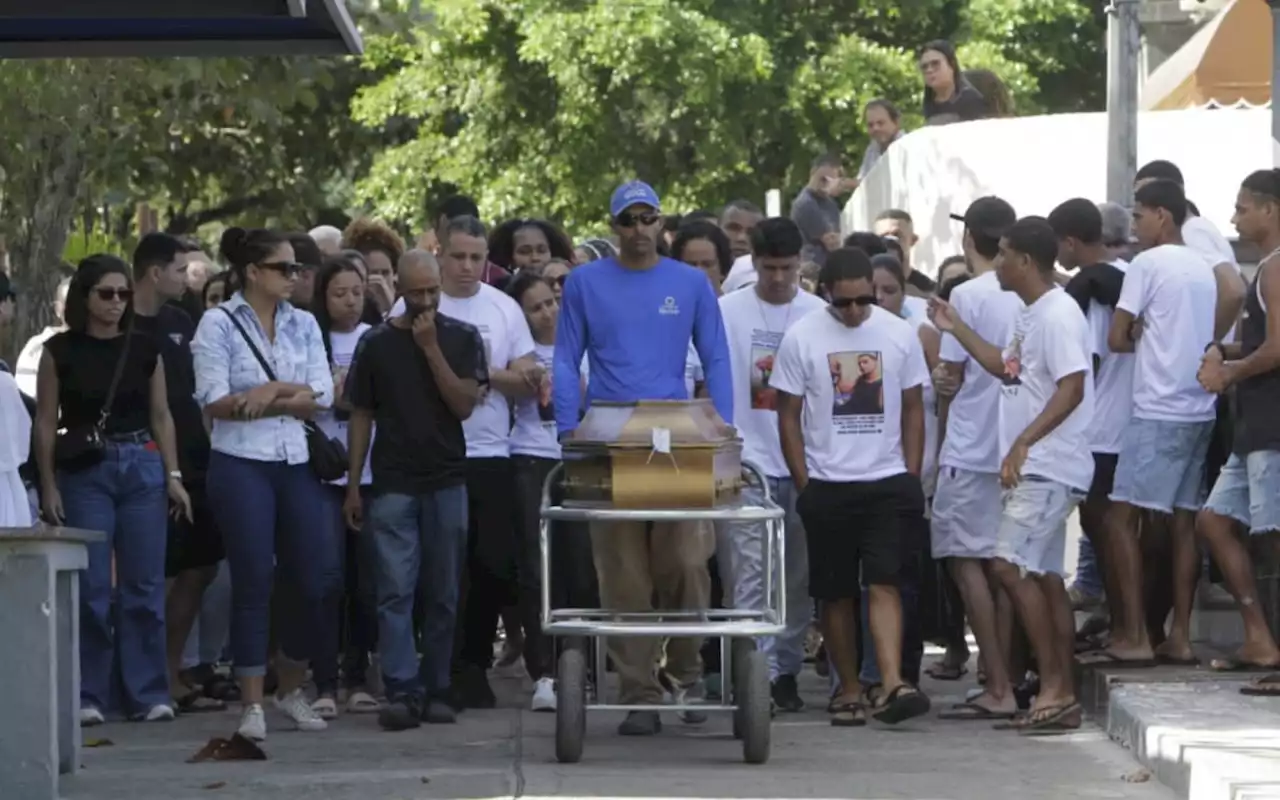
x=371, y=235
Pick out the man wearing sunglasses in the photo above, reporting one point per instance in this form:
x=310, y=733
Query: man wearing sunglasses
x=633, y=316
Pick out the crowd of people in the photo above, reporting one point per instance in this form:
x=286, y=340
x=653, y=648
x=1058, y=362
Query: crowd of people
x=355, y=434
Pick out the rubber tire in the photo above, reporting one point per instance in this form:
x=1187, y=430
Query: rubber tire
x=571, y=706
x=740, y=650
x=757, y=710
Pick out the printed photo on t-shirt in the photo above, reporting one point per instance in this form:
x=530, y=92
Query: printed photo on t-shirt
x=1012, y=357
x=857, y=381
x=764, y=348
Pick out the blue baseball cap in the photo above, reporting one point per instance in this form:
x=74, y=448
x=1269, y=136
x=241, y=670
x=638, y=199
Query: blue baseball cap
x=633, y=193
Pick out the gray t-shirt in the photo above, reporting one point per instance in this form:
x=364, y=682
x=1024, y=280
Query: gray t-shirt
x=816, y=215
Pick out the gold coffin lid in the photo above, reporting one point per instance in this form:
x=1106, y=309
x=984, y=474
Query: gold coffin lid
x=692, y=423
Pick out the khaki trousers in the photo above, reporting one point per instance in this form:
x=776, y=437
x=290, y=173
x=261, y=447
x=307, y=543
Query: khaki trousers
x=638, y=563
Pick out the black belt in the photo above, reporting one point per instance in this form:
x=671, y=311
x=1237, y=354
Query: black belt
x=129, y=437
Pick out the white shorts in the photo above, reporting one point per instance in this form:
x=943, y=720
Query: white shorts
x=966, y=513
x=1033, y=527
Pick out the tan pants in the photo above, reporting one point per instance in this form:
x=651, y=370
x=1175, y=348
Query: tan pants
x=636, y=563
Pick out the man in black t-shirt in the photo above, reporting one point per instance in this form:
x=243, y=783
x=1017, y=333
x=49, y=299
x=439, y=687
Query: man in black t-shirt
x=194, y=547
x=417, y=377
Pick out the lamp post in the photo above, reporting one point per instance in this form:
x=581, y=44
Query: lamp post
x=1123, y=41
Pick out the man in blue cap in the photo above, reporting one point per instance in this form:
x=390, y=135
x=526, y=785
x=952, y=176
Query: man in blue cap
x=633, y=316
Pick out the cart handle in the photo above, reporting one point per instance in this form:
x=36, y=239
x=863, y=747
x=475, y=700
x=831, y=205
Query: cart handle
x=750, y=473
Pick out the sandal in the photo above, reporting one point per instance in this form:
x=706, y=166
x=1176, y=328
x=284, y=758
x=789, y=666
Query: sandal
x=903, y=703
x=942, y=671
x=325, y=707
x=194, y=701
x=847, y=714
x=964, y=712
x=361, y=702
x=1017, y=722
x=1053, y=721
x=220, y=687
x=1264, y=686
x=1235, y=664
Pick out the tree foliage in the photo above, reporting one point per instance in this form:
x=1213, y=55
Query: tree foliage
x=542, y=106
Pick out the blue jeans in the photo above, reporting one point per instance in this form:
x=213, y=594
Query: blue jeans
x=1088, y=579
x=419, y=541
x=273, y=516
x=124, y=497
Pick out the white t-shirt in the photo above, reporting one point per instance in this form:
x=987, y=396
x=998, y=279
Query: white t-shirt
x=742, y=273
x=1051, y=341
x=344, y=347
x=692, y=370
x=852, y=380
x=506, y=337
x=1176, y=296
x=929, y=466
x=1202, y=235
x=754, y=330
x=971, y=442
x=1113, y=381
x=915, y=308
x=534, y=433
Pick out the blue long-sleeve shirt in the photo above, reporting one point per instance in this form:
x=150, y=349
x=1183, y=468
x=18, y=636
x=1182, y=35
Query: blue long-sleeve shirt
x=635, y=327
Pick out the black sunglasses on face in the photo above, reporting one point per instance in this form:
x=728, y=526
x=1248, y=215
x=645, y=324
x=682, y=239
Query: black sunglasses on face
x=286, y=268
x=628, y=220
x=862, y=300
x=108, y=293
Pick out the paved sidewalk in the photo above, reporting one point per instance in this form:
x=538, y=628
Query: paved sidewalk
x=509, y=752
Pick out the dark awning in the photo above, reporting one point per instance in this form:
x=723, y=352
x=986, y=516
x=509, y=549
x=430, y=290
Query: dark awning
x=121, y=28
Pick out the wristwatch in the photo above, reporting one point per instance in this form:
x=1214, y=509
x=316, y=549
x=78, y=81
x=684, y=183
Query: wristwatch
x=175, y=475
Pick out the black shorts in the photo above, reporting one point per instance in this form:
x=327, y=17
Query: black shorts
x=1104, y=475
x=871, y=525
x=197, y=544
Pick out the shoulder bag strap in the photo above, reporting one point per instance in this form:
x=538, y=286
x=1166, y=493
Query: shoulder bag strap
x=271, y=375
x=115, y=381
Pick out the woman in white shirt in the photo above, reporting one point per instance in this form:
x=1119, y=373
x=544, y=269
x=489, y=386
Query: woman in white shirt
x=350, y=606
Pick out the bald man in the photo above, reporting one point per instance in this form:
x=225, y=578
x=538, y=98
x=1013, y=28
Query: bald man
x=416, y=378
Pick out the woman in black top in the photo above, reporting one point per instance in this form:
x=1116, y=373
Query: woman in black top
x=118, y=487
x=948, y=95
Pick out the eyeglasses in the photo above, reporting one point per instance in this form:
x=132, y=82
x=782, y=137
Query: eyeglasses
x=288, y=269
x=628, y=220
x=931, y=64
x=862, y=301
x=109, y=293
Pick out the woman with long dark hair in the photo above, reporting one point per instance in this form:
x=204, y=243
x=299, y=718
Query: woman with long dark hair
x=520, y=244
x=703, y=245
x=350, y=605
x=107, y=456
x=261, y=369
x=948, y=95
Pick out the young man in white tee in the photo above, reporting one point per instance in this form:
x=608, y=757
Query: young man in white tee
x=755, y=320
x=850, y=382
x=967, y=500
x=1166, y=317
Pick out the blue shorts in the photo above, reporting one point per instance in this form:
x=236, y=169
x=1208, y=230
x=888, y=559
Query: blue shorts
x=1248, y=491
x=1033, y=525
x=1161, y=465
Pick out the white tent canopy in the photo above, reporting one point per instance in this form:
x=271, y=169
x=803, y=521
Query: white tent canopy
x=1037, y=162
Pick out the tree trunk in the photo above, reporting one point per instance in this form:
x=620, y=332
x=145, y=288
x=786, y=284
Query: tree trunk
x=42, y=235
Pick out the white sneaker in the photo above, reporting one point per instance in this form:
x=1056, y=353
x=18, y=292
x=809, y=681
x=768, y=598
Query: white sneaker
x=544, y=695
x=160, y=713
x=253, y=723
x=90, y=716
x=294, y=705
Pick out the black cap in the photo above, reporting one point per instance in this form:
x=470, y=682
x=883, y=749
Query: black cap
x=988, y=216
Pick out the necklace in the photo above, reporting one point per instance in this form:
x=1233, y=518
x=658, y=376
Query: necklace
x=765, y=317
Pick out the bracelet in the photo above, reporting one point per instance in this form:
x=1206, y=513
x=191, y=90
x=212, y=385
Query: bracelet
x=175, y=475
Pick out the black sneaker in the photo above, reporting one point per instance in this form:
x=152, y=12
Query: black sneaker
x=786, y=697
x=438, y=711
x=472, y=684
x=640, y=723
x=401, y=714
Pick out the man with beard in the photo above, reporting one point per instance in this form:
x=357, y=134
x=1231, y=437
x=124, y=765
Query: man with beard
x=418, y=376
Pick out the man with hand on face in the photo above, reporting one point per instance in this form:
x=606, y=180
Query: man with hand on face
x=418, y=377
x=633, y=316
x=816, y=211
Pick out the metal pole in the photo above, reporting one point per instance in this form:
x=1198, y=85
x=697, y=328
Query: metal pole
x=1275, y=82
x=1123, y=42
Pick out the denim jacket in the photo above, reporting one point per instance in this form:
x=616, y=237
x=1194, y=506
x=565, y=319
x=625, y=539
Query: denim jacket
x=225, y=365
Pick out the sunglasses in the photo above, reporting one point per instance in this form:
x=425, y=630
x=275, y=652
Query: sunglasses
x=862, y=301
x=560, y=279
x=628, y=220
x=288, y=269
x=108, y=294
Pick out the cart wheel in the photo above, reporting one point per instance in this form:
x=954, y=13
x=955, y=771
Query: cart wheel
x=755, y=708
x=571, y=706
x=740, y=651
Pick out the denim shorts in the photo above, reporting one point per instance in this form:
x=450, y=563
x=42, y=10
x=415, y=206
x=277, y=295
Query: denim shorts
x=966, y=514
x=1161, y=465
x=1033, y=526
x=1248, y=491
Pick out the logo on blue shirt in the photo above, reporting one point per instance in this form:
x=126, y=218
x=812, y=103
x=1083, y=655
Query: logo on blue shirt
x=669, y=307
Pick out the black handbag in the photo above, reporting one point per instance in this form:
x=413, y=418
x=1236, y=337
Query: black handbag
x=328, y=456
x=85, y=445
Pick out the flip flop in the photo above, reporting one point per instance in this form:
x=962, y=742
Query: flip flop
x=1059, y=721
x=1174, y=661
x=941, y=671
x=849, y=714
x=1105, y=658
x=1016, y=723
x=1265, y=686
x=1233, y=664
x=903, y=703
x=195, y=702
x=963, y=712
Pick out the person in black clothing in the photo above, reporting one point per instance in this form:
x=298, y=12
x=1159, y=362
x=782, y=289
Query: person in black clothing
x=310, y=259
x=948, y=95
x=194, y=546
x=106, y=472
x=417, y=377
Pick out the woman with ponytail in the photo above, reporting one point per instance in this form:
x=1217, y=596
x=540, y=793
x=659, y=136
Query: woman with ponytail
x=261, y=370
